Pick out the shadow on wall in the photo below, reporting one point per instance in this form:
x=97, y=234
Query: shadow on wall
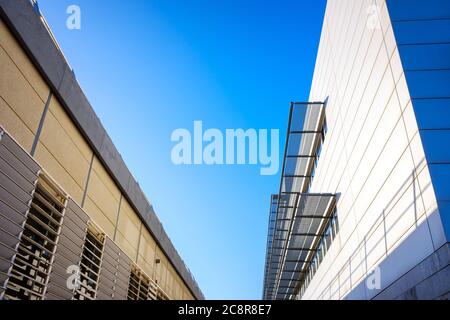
x=395, y=264
x=410, y=269
x=428, y=279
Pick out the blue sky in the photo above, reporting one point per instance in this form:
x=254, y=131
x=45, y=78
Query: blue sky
x=150, y=67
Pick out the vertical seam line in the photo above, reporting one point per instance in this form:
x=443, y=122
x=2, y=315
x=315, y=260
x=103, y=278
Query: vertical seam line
x=117, y=218
x=41, y=124
x=87, y=181
x=139, y=242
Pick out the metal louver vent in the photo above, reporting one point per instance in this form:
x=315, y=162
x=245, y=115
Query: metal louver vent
x=35, y=253
x=140, y=286
x=162, y=296
x=90, y=264
x=62, y=285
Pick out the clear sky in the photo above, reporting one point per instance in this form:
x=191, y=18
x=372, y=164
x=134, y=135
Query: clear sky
x=150, y=67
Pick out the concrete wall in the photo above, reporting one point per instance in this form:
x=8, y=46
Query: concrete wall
x=65, y=154
x=373, y=156
x=20, y=109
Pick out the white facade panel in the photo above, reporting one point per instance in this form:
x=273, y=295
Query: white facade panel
x=372, y=158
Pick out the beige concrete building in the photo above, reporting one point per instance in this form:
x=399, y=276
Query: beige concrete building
x=67, y=200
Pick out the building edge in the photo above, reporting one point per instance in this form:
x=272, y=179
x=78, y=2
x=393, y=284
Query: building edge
x=26, y=23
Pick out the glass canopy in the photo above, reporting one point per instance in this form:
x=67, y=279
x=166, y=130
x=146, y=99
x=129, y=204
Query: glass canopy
x=297, y=217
